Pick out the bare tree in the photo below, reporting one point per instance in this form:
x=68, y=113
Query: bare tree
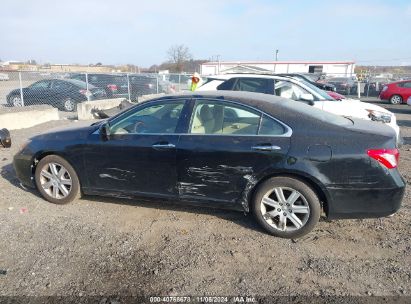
x=179, y=55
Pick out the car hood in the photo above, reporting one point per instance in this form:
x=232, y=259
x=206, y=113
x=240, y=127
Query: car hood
x=350, y=107
x=77, y=131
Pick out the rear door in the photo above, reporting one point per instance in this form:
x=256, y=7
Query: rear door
x=227, y=146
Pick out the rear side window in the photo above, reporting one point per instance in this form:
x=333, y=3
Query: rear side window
x=256, y=85
x=225, y=118
x=270, y=126
x=60, y=85
x=407, y=85
x=227, y=85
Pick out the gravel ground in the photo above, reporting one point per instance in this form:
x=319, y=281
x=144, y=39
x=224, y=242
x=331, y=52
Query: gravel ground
x=104, y=247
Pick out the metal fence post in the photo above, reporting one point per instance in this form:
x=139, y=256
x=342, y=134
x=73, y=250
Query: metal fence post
x=128, y=87
x=21, y=90
x=179, y=82
x=88, y=92
x=157, y=84
x=359, y=89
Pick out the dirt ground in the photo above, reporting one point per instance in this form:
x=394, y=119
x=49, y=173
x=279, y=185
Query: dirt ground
x=104, y=247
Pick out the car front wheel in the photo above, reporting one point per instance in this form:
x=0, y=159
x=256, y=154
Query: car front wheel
x=15, y=101
x=396, y=99
x=286, y=207
x=56, y=180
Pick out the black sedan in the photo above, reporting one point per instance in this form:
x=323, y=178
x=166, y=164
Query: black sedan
x=246, y=151
x=62, y=94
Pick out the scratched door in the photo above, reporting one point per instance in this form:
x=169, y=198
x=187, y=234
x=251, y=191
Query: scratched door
x=222, y=152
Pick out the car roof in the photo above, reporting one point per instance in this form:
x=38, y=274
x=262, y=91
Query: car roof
x=251, y=75
x=76, y=82
x=281, y=108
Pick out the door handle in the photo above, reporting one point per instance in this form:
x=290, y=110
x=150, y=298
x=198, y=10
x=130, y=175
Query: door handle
x=266, y=148
x=163, y=146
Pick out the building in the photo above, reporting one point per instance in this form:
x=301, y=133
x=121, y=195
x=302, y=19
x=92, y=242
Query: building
x=331, y=68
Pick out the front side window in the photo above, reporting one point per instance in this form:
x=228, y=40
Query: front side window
x=290, y=90
x=41, y=85
x=160, y=118
x=407, y=85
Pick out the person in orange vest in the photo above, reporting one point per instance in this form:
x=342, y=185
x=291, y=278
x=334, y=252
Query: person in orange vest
x=195, y=81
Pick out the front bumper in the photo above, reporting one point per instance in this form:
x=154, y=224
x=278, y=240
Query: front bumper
x=23, y=167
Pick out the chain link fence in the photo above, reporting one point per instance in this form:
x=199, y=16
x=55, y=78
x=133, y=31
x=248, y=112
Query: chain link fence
x=65, y=90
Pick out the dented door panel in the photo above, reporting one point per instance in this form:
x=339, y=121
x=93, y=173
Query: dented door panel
x=220, y=167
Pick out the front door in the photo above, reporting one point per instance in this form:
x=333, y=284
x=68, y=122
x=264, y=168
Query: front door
x=140, y=155
x=227, y=146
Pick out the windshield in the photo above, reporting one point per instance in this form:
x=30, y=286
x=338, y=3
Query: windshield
x=322, y=94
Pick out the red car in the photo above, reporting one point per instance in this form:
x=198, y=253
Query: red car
x=396, y=92
x=336, y=95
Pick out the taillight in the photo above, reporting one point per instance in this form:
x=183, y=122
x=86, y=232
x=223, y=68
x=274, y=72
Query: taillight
x=387, y=157
x=112, y=87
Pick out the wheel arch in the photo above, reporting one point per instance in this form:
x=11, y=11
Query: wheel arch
x=319, y=190
x=42, y=154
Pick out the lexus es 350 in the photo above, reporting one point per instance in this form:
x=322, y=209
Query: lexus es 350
x=286, y=164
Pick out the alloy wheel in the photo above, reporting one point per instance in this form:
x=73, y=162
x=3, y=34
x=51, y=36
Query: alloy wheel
x=396, y=99
x=69, y=105
x=285, y=209
x=55, y=180
x=16, y=101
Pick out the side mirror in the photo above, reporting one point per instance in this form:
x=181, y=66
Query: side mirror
x=309, y=98
x=104, y=131
x=5, y=139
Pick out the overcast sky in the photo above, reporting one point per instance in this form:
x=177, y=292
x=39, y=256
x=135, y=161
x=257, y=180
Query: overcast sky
x=137, y=32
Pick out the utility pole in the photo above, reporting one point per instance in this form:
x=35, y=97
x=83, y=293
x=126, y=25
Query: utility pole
x=218, y=67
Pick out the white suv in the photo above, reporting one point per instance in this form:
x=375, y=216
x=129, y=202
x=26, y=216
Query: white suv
x=299, y=90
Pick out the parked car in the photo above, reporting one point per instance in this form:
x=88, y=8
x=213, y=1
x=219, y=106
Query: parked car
x=304, y=92
x=396, y=92
x=245, y=151
x=62, y=94
x=343, y=85
x=336, y=95
x=320, y=85
x=116, y=86
x=373, y=86
x=4, y=77
x=141, y=84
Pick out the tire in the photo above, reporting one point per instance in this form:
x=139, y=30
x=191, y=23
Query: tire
x=51, y=186
x=396, y=99
x=69, y=105
x=15, y=101
x=300, y=216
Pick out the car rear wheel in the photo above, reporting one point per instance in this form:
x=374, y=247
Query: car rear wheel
x=16, y=101
x=286, y=207
x=56, y=180
x=396, y=99
x=69, y=105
